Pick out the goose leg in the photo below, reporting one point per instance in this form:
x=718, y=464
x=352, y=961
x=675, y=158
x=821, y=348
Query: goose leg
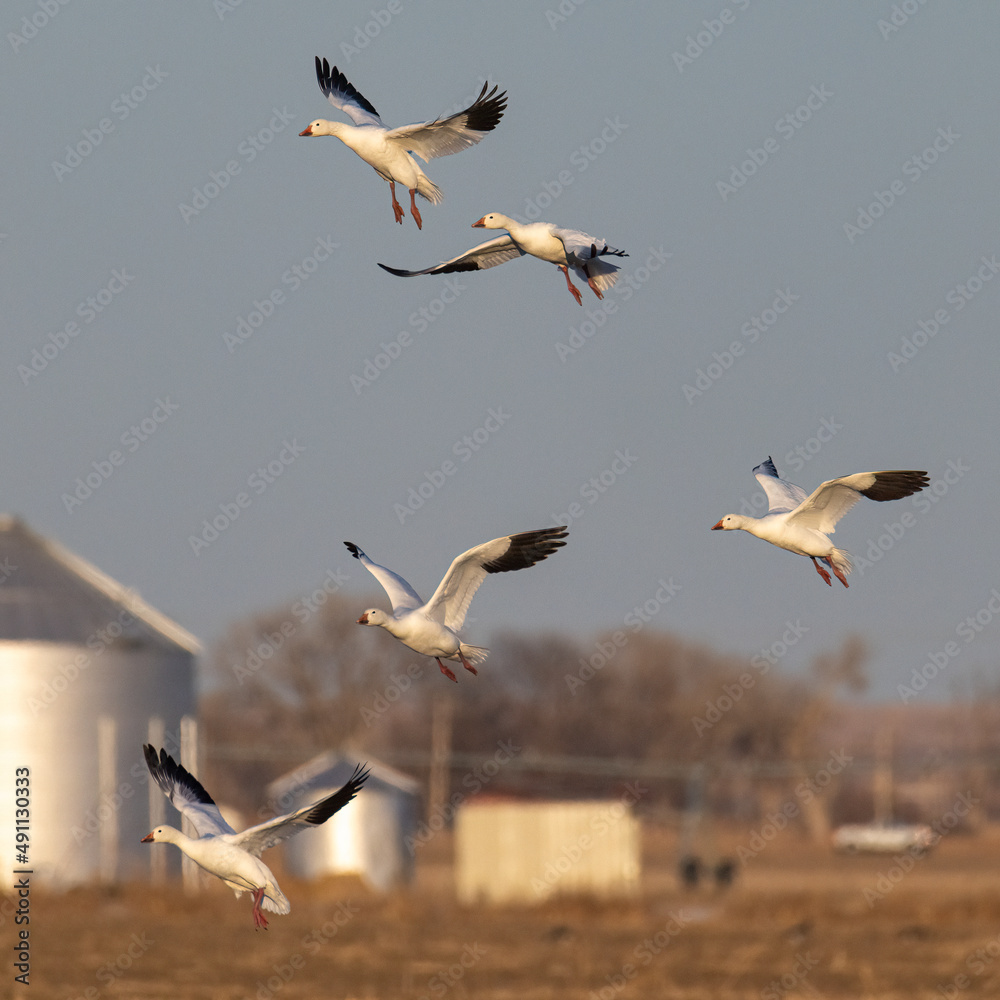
x=397, y=209
x=445, y=670
x=414, y=210
x=259, y=920
x=574, y=291
x=466, y=664
x=840, y=576
x=822, y=572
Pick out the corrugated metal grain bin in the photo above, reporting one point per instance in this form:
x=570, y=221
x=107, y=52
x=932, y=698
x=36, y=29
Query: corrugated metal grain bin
x=85, y=664
x=527, y=852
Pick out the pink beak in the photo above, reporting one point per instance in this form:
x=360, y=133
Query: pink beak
x=481, y=224
x=148, y=839
x=307, y=130
x=717, y=527
x=363, y=620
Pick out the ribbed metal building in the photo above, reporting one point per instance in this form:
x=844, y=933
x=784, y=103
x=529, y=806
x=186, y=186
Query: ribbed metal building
x=527, y=852
x=89, y=672
x=369, y=838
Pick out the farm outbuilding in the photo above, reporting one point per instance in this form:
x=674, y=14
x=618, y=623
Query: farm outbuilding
x=371, y=838
x=91, y=672
x=527, y=852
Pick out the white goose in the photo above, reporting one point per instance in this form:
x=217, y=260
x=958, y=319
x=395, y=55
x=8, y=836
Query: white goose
x=219, y=849
x=431, y=628
x=802, y=523
x=566, y=248
x=388, y=150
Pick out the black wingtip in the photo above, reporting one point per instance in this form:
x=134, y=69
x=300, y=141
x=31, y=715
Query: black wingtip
x=395, y=270
x=331, y=79
x=353, y=549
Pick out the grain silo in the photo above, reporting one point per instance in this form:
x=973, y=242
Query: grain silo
x=370, y=838
x=91, y=672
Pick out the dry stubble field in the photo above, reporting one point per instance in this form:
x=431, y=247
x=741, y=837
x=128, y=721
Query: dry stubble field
x=797, y=924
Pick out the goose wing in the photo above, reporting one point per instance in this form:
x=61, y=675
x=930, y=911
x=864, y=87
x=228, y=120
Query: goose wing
x=455, y=592
x=186, y=793
x=344, y=96
x=401, y=594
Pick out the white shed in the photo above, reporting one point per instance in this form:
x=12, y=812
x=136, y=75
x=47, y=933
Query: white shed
x=527, y=852
x=368, y=838
x=90, y=672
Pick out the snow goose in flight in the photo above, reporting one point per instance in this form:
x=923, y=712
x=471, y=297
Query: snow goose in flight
x=566, y=248
x=219, y=849
x=431, y=628
x=388, y=150
x=802, y=523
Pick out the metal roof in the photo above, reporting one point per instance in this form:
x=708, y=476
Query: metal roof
x=48, y=594
x=332, y=768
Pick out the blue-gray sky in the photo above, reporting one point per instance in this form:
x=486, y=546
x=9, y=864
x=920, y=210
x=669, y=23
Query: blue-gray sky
x=746, y=142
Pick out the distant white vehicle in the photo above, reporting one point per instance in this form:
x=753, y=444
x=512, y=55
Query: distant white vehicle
x=877, y=839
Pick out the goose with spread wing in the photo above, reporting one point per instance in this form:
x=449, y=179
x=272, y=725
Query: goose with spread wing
x=219, y=849
x=802, y=523
x=566, y=248
x=432, y=628
x=388, y=150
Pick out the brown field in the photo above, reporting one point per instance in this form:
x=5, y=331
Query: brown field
x=795, y=925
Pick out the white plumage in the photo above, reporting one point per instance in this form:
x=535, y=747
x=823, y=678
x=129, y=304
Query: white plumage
x=431, y=628
x=388, y=150
x=802, y=523
x=219, y=849
x=566, y=248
